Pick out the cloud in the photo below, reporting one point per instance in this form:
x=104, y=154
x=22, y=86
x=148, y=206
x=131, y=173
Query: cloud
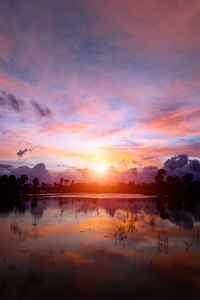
x=134, y=161
x=180, y=122
x=38, y=171
x=113, y=176
x=5, y=169
x=108, y=63
x=65, y=128
x=21, y=152
x=41, y=110
x=180, y=165
x=110, y=132
x=11, y=101
x=123, y=164
x=193, y=166
x=6, y=133
x=176, y=162
x=175, y=166
x=87, y=175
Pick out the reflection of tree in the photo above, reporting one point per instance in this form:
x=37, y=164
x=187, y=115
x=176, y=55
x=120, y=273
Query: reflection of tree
x=34, y=203
x=120, y=234
x=15, y=228
x=35, y=228
x=129, y=231
x=162, y=241
x=194, y=242
x=131, y=224
x=152, y=221
x=62, y=250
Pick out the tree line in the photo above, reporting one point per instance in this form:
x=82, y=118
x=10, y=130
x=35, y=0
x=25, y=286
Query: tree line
x=163, y=185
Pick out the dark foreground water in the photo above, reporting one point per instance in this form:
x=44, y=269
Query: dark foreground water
x=69, y=247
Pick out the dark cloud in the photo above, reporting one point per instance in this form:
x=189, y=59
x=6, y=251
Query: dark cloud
x=5, y=169
x=5, y=166
x=2, y=101
x=38, y=171
x=17, y=104
x=41, y=110
x=10, y=100
x=21, y=152
x=180, y=165
x=176, y=162
x=193, y=166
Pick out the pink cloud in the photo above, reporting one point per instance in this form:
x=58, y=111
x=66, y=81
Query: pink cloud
x=178, y=122
x=64, y=128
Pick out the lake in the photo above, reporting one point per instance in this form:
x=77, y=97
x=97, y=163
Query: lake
x=102, y=246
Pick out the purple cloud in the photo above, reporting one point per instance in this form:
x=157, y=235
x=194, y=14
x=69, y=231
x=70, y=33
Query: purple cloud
x=38, y=171
x=41, y=110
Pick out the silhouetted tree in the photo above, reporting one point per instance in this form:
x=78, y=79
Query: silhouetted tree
x=160, y=184
x=187, y=178
x=160, y=176
x=35, y=182
x=23, y=178
x=66, y=181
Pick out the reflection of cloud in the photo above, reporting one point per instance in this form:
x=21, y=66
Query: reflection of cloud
x=181, y=218
x=62, y=257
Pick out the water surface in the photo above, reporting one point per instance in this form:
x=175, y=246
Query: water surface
x=99, y=247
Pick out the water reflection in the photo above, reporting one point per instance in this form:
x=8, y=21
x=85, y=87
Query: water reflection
x=99, y=248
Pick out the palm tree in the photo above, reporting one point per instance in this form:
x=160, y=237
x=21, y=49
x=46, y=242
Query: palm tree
x=66, y=181
x=35, y=182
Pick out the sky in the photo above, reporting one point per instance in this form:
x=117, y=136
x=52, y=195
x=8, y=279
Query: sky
x=89, y=88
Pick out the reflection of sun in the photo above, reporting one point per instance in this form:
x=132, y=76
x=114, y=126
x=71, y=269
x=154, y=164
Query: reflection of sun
x=101, y=168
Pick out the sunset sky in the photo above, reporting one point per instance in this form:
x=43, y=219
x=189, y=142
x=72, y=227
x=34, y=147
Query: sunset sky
x=94, y=86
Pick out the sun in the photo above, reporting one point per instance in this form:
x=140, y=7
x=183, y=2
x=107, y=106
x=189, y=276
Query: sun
x=101, y=168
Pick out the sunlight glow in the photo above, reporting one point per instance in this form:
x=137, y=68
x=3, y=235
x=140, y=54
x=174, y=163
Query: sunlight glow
x=101, y=168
